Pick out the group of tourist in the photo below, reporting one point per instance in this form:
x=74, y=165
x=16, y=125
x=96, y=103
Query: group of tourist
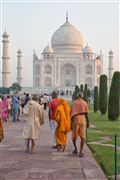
x=62, y=119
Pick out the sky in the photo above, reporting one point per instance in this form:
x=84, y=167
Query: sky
x=31, y=25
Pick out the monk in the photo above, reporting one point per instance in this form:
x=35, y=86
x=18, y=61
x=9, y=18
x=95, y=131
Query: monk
x=79, y=120
x=31, y=132
x=62, y=117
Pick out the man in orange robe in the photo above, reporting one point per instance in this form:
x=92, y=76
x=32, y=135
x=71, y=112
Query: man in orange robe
x=62, y=117
x=79, y=117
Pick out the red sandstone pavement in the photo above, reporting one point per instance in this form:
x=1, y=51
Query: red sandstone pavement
x=46, y=163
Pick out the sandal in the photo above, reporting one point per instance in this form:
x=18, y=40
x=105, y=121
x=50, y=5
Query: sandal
x=27, y=150
x=75, y=152
x=32, y=150
x=63, y=149
x=59, y=147
x=81, y=155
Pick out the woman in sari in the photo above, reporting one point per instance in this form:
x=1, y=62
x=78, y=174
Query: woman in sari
x=1, y=123
x=4, y=108
x=62, y=117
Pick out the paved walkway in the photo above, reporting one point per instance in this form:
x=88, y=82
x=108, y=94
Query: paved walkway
x=47, y=163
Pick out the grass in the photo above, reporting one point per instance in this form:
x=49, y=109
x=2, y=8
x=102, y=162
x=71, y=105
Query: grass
x=104, y=128
x=105, y=157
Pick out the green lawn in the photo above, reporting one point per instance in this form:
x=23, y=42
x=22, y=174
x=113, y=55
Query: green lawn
x=105, y=157
x=103, y=131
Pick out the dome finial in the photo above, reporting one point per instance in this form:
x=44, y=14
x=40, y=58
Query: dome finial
x=66, y=16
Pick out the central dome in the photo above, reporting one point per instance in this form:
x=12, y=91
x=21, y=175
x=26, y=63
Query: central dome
x=67, y=37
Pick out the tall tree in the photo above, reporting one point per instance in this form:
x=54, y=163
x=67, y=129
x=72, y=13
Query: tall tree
x=76, y=91
x=16, y=87
x=96, y=105
x=81, y=87
x=114, y=97
x=85, y=93
x=103, y=94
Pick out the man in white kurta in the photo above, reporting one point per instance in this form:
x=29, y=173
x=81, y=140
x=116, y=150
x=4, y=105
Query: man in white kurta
x=35, y=119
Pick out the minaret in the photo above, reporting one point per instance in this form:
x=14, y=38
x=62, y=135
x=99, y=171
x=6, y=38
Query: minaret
x=6, y=61
x=110, y=68
x=19, y=68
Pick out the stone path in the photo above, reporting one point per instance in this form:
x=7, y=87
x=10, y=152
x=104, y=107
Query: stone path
x=46, y=163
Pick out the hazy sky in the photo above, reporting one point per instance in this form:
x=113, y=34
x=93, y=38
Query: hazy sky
x=31, y=25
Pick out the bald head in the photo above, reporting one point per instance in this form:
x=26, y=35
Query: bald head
x=80, y=94
x=54, y=94
x=35, y=97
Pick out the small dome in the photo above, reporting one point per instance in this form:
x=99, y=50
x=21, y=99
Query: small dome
x=48, y=50
x=19, y=51
x=5, y=35
x=87, y=50
x=110, y=52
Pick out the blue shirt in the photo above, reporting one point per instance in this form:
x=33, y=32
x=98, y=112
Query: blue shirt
x=15, y=102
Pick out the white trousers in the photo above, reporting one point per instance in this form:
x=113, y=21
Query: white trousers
x=52, y=129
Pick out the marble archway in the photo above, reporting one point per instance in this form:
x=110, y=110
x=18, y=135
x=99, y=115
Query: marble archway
x=68, y=75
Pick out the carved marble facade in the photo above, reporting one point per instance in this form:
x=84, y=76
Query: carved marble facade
x=66, y=63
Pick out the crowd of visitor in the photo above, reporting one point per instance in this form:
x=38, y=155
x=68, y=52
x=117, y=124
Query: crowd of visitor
x=62, y=118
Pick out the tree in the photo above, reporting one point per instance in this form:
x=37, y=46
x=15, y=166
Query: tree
x=103, y=94
x=114, y=97
x=75, y=93
x=85, y=93
x=81, y=87
x=4, y=90
x=88, y=93
x=96, y=108
x=16, y=87
x=73, y=96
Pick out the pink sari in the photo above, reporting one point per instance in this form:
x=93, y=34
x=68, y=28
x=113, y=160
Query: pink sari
x=4, y=109
x=0, y=108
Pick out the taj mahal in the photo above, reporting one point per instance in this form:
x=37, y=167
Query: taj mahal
x=62, y=65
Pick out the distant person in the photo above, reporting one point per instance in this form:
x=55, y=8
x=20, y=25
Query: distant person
x=19, y=108
x=1, y=122
x=5, y=109
x=9, y=99
x=23, y=99
x=1, y=130
x=45, y=101
x=79, y=117
x=52, y=108
x=15, y=104
x=62, y=117
x=27, y=99
x=31, y=132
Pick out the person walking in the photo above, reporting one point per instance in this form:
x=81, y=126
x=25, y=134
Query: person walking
x=15, y=107
x=1, y=122
x=31, y=132
x=5, y=109
x=51, y=113
x=9, y=99
x=62, y=117
x=79, y=118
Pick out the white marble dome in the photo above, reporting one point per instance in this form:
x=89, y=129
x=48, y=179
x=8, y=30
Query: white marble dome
x=68, y=37
x=48, y=50
x=87, y=50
